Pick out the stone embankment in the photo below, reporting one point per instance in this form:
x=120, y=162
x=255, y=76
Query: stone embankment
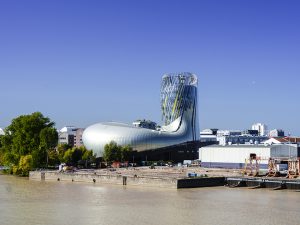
x=160, y=177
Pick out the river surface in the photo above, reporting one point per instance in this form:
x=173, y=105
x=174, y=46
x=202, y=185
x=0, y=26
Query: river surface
x=62, y=203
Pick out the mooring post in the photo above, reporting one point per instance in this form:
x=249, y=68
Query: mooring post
x=124, y=180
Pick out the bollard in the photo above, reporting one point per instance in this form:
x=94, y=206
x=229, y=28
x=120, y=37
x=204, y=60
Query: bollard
x=124, y=180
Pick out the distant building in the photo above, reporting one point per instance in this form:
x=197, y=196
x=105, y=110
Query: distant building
x=78, y=137
x=251, y=132
x=221, y=133
x=70, y=135
x=1, y=131
x=261, y=128
x=211, y=131
x=229, y=137
x=66, y=138
x=241, y=139
x=276, y=133
x=68, y=129
x=148, y=124
x=282, y=140
x=208, y=136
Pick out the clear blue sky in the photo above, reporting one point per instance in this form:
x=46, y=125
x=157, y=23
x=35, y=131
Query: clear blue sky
x=82, y=62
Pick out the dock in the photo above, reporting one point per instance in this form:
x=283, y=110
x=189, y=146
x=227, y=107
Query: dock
x=158, y=180
x=276, y=183
x=168, y=178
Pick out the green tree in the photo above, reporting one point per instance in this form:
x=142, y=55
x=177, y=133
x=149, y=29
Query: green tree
x=48, y=141
x=61, y=150
x=53, y=159
x=126, y=152
x=25, y=165
x=88, y=155
x=111, y=151
x=115, y=152
x=67, y=158
x=74, y=155
x=24, y=137
x=1, y=137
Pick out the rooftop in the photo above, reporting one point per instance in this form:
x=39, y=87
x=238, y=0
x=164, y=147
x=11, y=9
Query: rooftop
x=288, y=139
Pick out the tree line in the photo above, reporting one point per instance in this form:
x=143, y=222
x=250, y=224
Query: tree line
x=114, y=152
x=30, y=141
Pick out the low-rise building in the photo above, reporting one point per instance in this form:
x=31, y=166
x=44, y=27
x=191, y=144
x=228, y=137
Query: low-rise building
x=208, y=136
x=282, y=140
x=66, y=138
x=221, y=133
x=229, y=137
x=241, y=139
x=235, y=156
x=70, y=135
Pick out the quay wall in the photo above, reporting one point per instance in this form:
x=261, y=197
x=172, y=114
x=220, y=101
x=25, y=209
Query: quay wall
x=104, y=179
x=162, y=182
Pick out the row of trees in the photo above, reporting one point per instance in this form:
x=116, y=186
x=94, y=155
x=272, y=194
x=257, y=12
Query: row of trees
x=30, y=141
x=115, y=152
x=73, y=156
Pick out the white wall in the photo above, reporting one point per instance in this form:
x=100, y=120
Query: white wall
x=233, y=154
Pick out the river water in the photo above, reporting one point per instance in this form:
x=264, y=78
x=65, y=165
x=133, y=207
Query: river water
x=62, y=203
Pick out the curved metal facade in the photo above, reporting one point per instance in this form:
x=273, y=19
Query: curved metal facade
x=179, y=115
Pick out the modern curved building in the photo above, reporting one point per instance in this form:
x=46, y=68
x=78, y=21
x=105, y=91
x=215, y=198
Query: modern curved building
x=179, y=133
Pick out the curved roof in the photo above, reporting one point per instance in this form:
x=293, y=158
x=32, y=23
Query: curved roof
x=179, y=111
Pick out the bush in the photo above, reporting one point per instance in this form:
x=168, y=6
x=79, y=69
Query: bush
x=25, y=165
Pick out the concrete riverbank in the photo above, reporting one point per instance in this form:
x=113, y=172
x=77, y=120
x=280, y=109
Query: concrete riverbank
x=174, y=178
x=173, y=182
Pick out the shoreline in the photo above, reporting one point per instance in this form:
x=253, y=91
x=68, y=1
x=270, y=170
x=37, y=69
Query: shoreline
x=162, y=177
x=173, y=178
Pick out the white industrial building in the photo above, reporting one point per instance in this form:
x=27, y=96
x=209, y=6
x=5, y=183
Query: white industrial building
x=235, y=156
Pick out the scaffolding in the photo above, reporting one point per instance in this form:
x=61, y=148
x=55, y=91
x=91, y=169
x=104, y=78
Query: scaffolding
x=272, y=167
x=293, y=168
x=252, y=166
